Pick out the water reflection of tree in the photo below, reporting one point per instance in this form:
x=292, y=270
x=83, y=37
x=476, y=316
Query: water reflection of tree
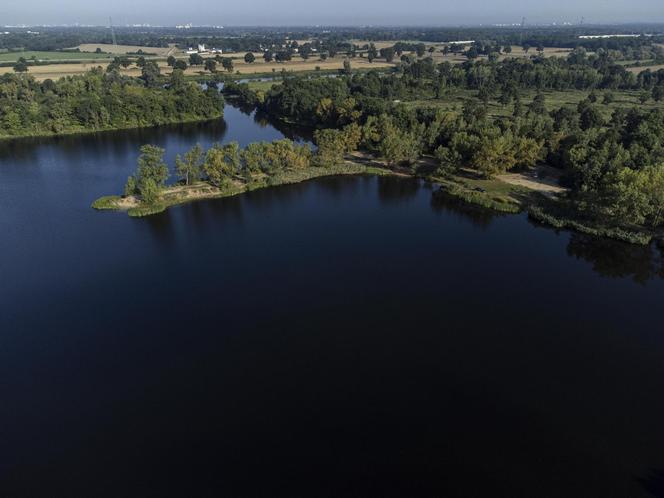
x=479, y=216
x=297, y=133
x=653, y=483
x=392, y=189
x=617, y=259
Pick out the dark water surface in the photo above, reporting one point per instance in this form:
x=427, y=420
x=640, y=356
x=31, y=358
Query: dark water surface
x=342, y=337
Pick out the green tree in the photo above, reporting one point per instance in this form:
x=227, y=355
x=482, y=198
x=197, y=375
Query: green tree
x=222, y=163
x=372, y=53
x=227, y=63
x=189, y=168
x=195, y=60
x=211, y=65
x=21, y=66
x=249, y=58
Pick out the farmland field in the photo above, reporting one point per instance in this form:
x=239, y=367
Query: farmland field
x=127, y=49
x=55, y=71
x=51, y=55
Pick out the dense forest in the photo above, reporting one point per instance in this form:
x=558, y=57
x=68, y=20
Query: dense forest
x=101, y=101
x=613, y=166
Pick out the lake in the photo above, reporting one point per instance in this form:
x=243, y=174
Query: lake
x=348, y=336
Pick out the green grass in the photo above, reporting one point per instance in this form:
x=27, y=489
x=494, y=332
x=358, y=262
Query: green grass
x=487, y=192
x=106, y=202
x=146, y=210
x=263, y=86
x=53, y=56
x=538, y=213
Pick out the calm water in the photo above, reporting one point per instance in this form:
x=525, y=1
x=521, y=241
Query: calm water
x=343, y=337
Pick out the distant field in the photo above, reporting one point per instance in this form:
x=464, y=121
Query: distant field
x=55, y=71
x=637, y=70
x=51, y=56
x=125, y=49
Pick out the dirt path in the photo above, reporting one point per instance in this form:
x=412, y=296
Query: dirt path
x=544, y=179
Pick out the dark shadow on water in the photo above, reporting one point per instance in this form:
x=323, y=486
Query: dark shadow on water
x=394, y=190
x=293, y=132
x=479, y=216
x=653, y=483
x=615, y=259
x=161, y=226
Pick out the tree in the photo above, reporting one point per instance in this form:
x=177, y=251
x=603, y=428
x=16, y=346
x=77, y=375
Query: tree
x=180, y=64
x=195, y=60
x=347, y=67
x=151, y=174
x=171, y=61
x=331, y=147
x=525, y=47
x=590, y=118
x=538, y=105
x=282, y=56
x=472, y=53
x=507, y=49
x=372, y=53
x=249, y=58
x=222, y=163
x=396, y=145
x=227, y=63
x=21, y=66
x=387, y=53
x=305, y=51
x=150, y=74
x=267, y=56
x=211, y=65
x=189, y=168
x=420, y=49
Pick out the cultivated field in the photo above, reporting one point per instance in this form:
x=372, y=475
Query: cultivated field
x=127, y=49
x=51, y=56
x=637, y=70
x=56, y=71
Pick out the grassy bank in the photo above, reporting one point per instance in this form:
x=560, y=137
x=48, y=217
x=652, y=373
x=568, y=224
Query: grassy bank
x=489, y=193
x=560, y=221
x=180, y=194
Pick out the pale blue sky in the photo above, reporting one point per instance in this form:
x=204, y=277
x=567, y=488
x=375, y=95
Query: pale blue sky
x=336, y=12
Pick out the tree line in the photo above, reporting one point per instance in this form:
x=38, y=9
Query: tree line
x=101, y=100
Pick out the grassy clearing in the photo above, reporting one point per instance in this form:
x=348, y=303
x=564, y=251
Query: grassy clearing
x=455, y=99
x=490, y=193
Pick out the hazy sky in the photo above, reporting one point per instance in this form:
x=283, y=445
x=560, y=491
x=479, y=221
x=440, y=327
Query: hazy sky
x=337, y=12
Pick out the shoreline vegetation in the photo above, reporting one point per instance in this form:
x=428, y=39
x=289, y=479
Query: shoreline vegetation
x=202, y=190
x=378, y=147
x=102, y=101
x=540, y=204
